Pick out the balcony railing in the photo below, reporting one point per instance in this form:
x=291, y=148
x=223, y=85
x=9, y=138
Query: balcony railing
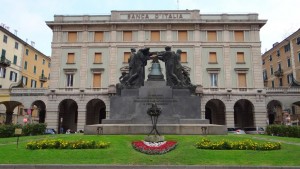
x=43, y=78
x=4, y=62
x=278, y=73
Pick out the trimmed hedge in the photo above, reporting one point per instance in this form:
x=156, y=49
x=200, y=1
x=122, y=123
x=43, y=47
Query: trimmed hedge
x=28, y=129
x=284, y=131
x=63, y=144
x=237, y=145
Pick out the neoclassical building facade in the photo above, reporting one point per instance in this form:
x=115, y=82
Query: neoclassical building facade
x=221, y=51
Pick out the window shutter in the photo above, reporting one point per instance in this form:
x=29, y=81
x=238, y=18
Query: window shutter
x=72, y=36
x=240, y=57
x=212, y=57
x=127, y=36
x=98, y=37
x=4, y=72
x=97, y=81
x=183, y=57
x=126, y=57
x=98, y=58
x=70, y=58
x=182, y=36
x=242, y=80
x=211, y=36
x=155, y=36
x=239, y=36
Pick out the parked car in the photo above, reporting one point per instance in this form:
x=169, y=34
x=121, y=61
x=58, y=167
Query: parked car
x=239, y=131
x=254, y=130
x=50, y=131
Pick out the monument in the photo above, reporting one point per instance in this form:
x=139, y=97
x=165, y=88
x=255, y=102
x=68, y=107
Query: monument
x=174, y=95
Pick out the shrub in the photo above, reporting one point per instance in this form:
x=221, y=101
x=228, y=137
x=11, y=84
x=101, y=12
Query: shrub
x=237, y=145
x=34, y=129
x=28, y=129
x=63, y=144
x=8, y=130
x=284, y=131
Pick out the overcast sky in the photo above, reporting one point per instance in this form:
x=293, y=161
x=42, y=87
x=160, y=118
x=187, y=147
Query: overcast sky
x=28, y=16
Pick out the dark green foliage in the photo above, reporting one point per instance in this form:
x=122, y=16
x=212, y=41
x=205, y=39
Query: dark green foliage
x=28, y=129
x=284, y=131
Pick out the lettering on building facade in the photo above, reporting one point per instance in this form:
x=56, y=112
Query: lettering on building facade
x=143, y=16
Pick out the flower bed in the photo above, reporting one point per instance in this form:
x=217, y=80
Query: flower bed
x=154, y=148
x=237, y=145
x=63, y=144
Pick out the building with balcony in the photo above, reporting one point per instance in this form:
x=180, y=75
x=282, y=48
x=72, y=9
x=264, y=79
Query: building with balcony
x=221, y=52
x=281, y=71
x=36, y=68
x=21, y=66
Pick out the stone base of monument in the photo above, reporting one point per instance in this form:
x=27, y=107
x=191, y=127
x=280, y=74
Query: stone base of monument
x=154, y=138
x=180, y=129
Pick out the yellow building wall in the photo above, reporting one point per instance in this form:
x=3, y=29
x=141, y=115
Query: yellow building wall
x=39, y=64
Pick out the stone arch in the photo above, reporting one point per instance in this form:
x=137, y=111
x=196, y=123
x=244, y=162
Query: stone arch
x=215, y=112
x=39, y=110
x=95, y=111
x=274, y=111
x=10, y=107
x=68, y=115
x=243, y=113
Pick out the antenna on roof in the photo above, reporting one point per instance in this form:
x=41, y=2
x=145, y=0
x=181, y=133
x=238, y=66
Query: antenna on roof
x=16, y=32
x=32, y=43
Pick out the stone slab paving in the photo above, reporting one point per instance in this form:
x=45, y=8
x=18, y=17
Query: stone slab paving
x=62, y=166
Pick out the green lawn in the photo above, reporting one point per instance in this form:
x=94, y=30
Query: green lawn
x=121, y=152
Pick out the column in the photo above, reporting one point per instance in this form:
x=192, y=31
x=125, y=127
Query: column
x=229, y=118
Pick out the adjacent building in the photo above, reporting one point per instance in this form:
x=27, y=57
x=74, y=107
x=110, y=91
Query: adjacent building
x=21, y=66
x=221, y=52
x=281, y=70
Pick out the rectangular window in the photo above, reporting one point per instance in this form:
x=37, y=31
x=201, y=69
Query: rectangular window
x=126, y=57
x=242, y=80
x=98, y=36
x=265, y=75
x=240, y=57
x=24, y=80
x=98, y=58
x=35, y=57
x=271, y=70
x=34, y=69
x=44, y=61
x=71, y=58
x=278, y=53
x=155, y=36
x=69, y=80
x=25, y=65
x=5, y=39
x=2, y=72
x=289, y=62
x=183, y=57
x=298, y=41
x=263, y=62
x=182, y=36
x=289, y=78
x=212, y=36
x=72, y=36
x=279, y=66
x=127, y=36
x=33, y=83
x=97, y=80
x=3, y=53
x=287, y=47
x=13, y=76
x=42, y=84
x=239, y=36
x=27, y=52
x=273, y=84
x=213, y=79
x=280, y=81
x=15, y=59
x=16, y=45
x=212, y=57
x=270, y=58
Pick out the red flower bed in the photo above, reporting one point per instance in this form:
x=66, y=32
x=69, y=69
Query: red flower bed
x=154, y=148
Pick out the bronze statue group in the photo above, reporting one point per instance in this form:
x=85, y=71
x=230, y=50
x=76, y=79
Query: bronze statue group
x=176, y=75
